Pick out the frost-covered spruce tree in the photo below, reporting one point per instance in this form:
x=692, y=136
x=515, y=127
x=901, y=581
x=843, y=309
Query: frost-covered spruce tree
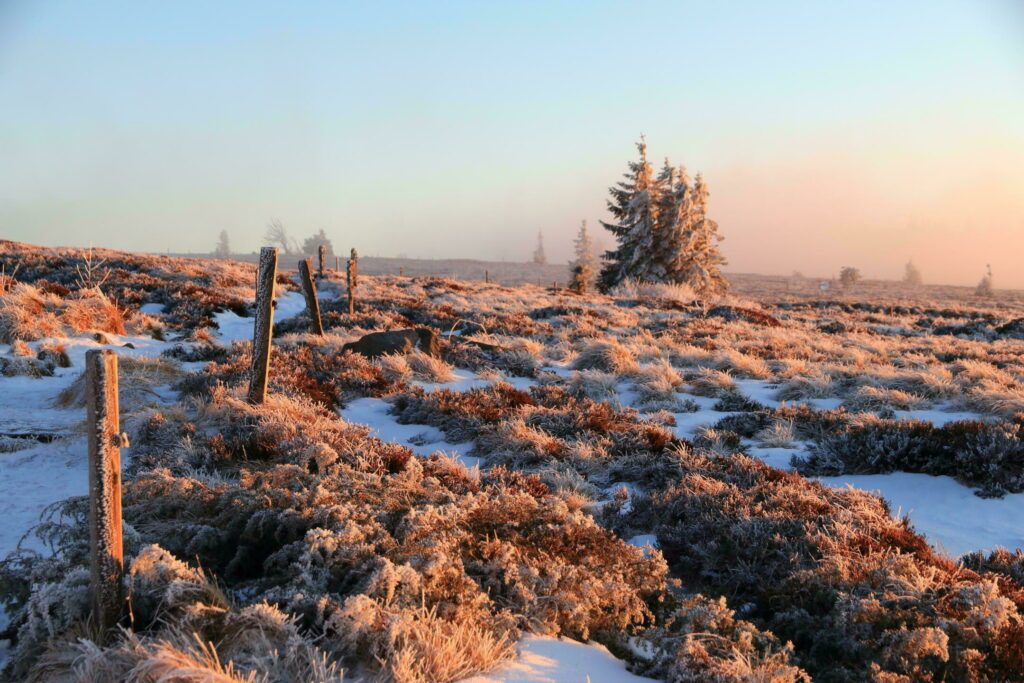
x=674, y=221
x=634, y=208
x=586, y=257
x=700, y=263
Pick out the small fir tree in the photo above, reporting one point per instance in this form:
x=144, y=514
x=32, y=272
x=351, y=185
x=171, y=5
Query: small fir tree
x=984, y=287
x=911, y=275
x=582, y=276
x=538, y=254
x=586, y=256
x=223, y=249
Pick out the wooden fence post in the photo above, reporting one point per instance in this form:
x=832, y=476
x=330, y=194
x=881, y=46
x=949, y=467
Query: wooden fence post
x=354, y=260
x=322, y=254
x=105, y=440
x=350, y=277
x=263, y=326
x=316, y=325
x=487, y=276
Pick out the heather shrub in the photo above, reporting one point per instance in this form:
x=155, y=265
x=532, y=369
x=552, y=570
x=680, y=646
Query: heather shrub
x=985, y=455
x=855, y=590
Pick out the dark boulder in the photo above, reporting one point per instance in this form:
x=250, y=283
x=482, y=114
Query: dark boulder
x=749, y=315
x=397, y=341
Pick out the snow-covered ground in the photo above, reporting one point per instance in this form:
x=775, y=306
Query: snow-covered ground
x=422, y=439
x=232, y=327
x=559, y=660
x=948, y=513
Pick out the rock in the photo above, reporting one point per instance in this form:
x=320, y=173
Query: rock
x=397, y=341
x=747, y=314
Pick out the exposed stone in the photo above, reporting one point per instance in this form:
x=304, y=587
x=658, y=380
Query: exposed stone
x=397, y=341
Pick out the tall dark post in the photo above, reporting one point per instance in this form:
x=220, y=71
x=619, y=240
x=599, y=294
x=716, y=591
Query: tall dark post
x=105, y=440
x=263, y=326
x=316, y=325
x=322, y=253
x=351, y=278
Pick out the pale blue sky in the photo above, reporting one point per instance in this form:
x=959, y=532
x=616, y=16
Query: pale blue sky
x=831, y=133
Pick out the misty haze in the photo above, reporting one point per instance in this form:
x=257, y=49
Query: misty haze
x=512, y=342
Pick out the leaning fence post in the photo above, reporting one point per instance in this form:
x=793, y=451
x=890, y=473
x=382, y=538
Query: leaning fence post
x=263, y=327
x=321, y=254
x=316, y=325
x=105, y=440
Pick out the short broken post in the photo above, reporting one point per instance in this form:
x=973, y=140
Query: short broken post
x=105, y=441
x=316, y=325
x=322, y=254
x=263, y=326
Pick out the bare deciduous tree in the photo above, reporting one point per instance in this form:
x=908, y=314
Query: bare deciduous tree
x=277, y=236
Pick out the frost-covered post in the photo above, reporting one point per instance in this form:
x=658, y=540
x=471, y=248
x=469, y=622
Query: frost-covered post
x=316, y=325
x=322, y=254
x=350, y=276
x=263, y=327
x=354, y=260
x=105, y=440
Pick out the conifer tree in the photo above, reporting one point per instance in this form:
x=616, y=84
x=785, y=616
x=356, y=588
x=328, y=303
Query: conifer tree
x=223, y=249
x=586, y=257
x=701, y=263
x=984, y=287
x=633, y=206
x=911, y=275
x=538, y=254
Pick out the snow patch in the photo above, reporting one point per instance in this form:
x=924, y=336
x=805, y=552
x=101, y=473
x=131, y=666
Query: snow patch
x=424, y=440
x=560, y=660
x=945, y=511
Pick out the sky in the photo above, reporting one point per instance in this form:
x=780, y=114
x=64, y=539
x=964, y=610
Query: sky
x=860, y=133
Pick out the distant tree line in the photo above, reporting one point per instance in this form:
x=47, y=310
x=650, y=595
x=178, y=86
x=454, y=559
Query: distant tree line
x=277, y=235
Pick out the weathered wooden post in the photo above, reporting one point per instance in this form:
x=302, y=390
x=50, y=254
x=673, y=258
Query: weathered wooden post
x=350, y=278
x=316, y=325
x=354, y=258
x=487, y=276
x=263, y=326
x=105, y=441
x=322, y=254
